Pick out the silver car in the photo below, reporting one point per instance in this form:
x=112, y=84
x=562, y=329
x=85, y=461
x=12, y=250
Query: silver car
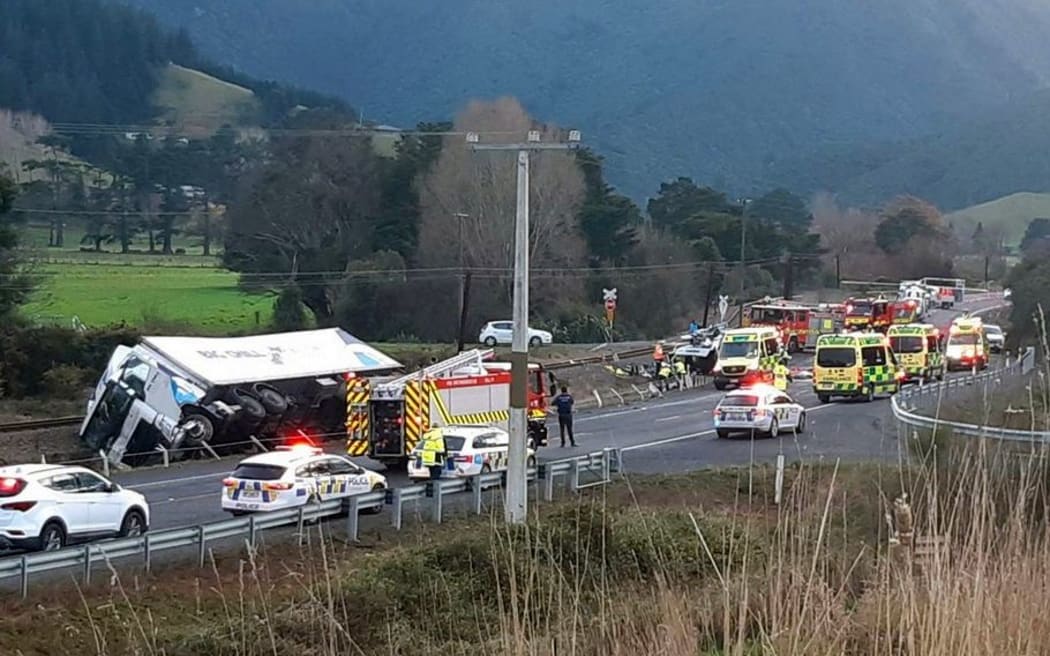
x=996, y=337
x=759, y=409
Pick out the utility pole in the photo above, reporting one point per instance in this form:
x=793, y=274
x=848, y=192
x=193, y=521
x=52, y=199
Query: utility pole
x=789, y=264
x=516, y=509
x=743, y=267
x=838, y=273
x=464, y=287
x=710, y=290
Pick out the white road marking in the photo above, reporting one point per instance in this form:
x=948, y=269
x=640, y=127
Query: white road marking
x=671, y=418
x=691, y=436
x=216, y=477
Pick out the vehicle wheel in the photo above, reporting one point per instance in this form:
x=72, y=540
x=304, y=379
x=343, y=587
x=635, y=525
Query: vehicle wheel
x=869, y=394
x=238, y=513
x=774, y=428
x=134, y=524
x=722, y=434
x=801, y=428
x=535, y=341
x=251, y=409
x=490, y=341
x=530, y=463
x=824, y=398
x=793, y=345
x=52, y=537
x=720, y=385
x=198, y=428
x=273, y=401
x=378, y=509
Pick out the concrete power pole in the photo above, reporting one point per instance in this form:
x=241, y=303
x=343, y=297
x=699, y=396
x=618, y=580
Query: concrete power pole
x=516, y=509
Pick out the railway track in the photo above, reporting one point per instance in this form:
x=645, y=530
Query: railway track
x=38, y=424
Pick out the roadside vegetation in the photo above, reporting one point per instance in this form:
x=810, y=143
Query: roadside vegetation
x=703, y=563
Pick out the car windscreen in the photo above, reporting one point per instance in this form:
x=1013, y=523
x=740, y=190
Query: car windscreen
x=993, y=330
x=906, y=344
x=968, y=339
x=258, y=472
x=454, y=442
x=836, y=356
x=739, y=350
x=741, y=401
x=860, y=309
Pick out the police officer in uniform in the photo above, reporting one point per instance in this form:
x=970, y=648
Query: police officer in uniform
x=434, y=452
x=564, y=402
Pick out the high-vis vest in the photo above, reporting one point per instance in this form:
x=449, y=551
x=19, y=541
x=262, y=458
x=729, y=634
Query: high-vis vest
x=780, y=377
x=433, y=446
x=679, y=368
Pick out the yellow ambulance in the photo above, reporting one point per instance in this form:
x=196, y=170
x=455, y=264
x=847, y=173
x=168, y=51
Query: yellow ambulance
x=747, y=355
x=857, y=365
x=918, y=350
x=967, y=346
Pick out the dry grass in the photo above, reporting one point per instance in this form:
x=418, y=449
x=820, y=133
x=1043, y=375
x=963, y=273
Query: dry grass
x=721, y=571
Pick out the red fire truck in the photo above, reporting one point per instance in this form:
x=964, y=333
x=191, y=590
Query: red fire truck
x=869, y=314
x=799, y=324
x=385, y=421
x=905, y=311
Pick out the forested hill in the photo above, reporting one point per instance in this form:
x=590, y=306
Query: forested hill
x=716, y=89
x=89, y=61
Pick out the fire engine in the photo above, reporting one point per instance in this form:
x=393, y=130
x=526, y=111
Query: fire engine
x=905, y=311
x=863, y=314
x=385, y=421
x=800, y=325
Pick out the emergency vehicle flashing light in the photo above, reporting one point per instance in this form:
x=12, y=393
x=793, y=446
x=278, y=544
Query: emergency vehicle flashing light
x=300, y=447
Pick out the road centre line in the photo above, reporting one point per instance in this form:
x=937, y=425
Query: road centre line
x=671, y=418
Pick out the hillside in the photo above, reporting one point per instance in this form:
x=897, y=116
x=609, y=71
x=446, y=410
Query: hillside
x=721, y=91
x=1010, y=214
x=199, y=103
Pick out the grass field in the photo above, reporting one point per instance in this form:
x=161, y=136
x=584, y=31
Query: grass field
x=201, y=300
x=201, y=103
x=1010, y=214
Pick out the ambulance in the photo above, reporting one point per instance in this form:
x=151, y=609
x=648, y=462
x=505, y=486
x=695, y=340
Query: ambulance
x=917, y=347
x=747, y=355
x=967, y=346
x=856, y=365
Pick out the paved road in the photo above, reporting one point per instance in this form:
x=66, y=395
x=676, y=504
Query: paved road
x=672, y=434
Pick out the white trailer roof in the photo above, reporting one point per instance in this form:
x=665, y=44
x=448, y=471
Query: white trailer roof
x=280, y=356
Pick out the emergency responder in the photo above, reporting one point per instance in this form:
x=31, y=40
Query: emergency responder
x=433, y=452
x=658, y=355
x=781, y=375
x=694, y=327
x=564, y=402
x=664, y=374
x=680, y=371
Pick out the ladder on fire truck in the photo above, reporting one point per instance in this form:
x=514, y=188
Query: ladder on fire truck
x=437, y=370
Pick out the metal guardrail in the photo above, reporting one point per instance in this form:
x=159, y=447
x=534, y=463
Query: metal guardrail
x=146, y=547
x=906, y=404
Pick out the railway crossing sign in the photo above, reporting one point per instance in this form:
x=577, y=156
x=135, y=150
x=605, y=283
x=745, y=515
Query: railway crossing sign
x=609, y=296
x=723, y=307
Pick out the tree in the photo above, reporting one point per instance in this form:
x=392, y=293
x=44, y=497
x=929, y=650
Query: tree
x=482, y=186
x=784, y=208
x=1038, y=230
x=288, y=312
x=609, y=220
x=15, y=285
x=310, y=210
x=682, y=198
x=907, y=219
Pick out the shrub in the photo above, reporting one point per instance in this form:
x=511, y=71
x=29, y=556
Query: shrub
x=65, y=379
x=288, y=310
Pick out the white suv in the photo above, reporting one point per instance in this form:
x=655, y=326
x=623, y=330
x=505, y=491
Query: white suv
x=502, y=332
x=45, y=507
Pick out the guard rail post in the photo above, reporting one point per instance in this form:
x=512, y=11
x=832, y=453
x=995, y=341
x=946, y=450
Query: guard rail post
x=25, y=577
x=475, y=493
x=438, y=502
x=396, y=507
x=548, y=482
x=606, y=475
x=87, y=565
x=200, y=546
x=352, y=518
x=147, y=562
x=574, y=475
x=251, y=531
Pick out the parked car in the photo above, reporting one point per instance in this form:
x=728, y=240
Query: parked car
x=996, y=337
x=46, y=507
x=502, y=332
x=471, y=450
x=291, y=476
x=762, y=409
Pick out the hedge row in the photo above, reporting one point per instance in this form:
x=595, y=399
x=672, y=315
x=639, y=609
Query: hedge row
x=35, y=361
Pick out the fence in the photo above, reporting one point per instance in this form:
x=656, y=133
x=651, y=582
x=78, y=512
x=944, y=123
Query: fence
x=602, y=465
x=909, y=401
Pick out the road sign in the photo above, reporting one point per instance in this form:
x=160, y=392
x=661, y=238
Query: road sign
x=609, y=295
x=723, y=307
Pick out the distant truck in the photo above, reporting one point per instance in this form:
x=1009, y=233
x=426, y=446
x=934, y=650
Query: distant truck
x=183, y=392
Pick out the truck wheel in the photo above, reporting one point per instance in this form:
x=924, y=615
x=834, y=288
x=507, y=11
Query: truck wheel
x=722, y=434
x=251, y=409
x=273, y=401
x=869, y=394
x=793, y=345
x=824, y=398
x=198, y=427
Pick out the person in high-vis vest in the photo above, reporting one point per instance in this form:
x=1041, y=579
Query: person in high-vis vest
x=680, y=371
x=433, y=452
x=781, y=375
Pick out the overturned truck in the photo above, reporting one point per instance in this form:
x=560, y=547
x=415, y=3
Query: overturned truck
x=181, y=394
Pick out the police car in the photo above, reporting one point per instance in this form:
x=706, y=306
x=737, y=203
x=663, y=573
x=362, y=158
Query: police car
x=291, y=476
x=760, y=409
x=471, y=450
